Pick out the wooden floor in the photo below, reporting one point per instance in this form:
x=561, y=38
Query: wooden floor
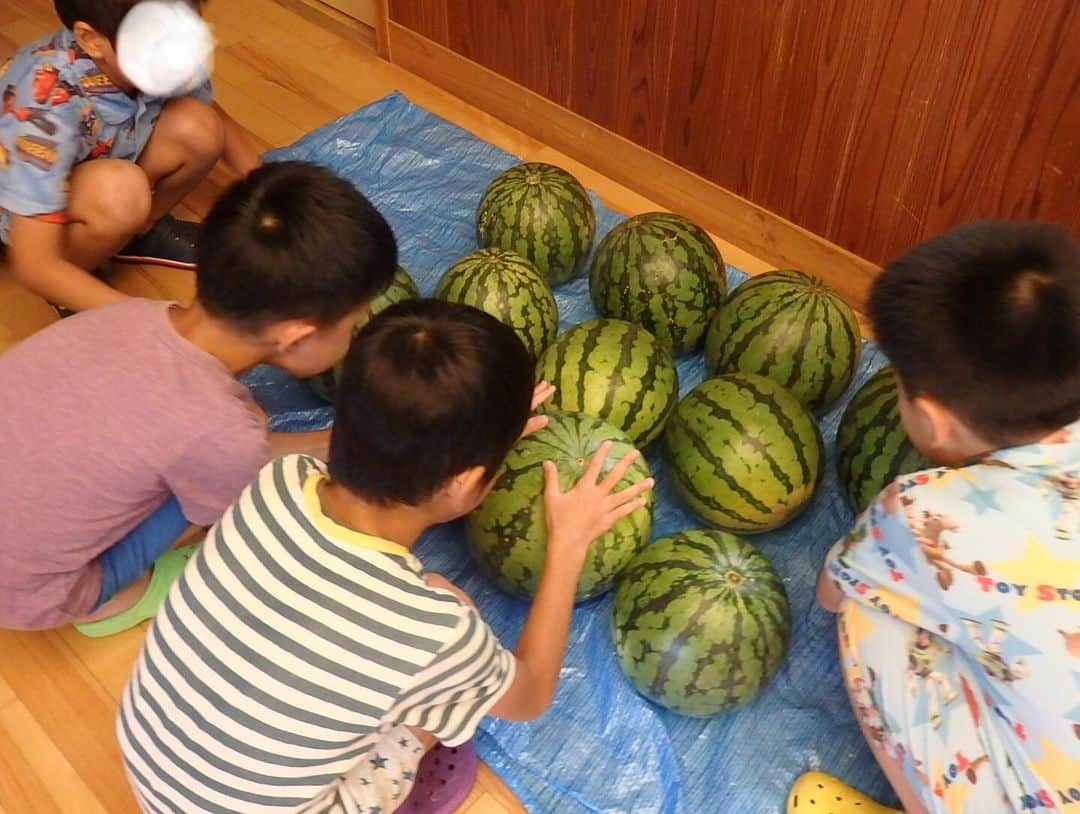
x=280, y=76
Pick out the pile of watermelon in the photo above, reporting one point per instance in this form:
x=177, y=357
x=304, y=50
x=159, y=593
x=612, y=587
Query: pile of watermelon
x=700, y=618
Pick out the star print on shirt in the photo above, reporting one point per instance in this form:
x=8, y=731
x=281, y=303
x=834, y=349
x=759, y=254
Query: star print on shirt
x=982, y=500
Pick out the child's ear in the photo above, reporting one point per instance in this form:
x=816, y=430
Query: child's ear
x=946, y=437
x=933, y=423
x=95, y=44
x=288, y=335
x=463, y=487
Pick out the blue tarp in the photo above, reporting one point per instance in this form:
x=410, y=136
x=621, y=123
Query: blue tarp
x=601, y=747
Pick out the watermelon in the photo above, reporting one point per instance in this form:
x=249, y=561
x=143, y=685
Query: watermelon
x=507, y=286
x=401, y=288
x=700, y=622
x=872, y=447
x=508, y=532
x=542, y=213
x=663, y=272
x=790, y=327
x=613, y=370
x=744, y=453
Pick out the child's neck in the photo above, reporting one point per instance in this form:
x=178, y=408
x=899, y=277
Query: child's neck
x=236, y=350
x=394, y=522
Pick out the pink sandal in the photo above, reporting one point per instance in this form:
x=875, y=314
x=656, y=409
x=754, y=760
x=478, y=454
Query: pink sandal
x=444, y=779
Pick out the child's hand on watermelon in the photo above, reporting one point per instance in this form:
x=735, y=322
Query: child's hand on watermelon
x=574, y=519
x=541, y=393
x=577, y=517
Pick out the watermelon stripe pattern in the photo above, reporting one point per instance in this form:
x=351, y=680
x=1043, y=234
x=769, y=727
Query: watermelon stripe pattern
x=402, y=287
x=872, y=447
x=507, y=286
x=701, y=622
x=790, y=327
x=662, y=272
x=541, y=212
x=507, y=534
x=744, y=454
x=613, y=370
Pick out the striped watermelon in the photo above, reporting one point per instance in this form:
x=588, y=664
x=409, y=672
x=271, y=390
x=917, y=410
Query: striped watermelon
x=872, y=447
x=542, y=213
x=402, y=287
x=744, y=453
x=507, y=286
x=790, y=327
x=507, y=533
x=701, y=622
x=663, y=272
x=613, y=370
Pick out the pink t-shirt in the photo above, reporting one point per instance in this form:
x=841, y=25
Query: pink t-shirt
x=102, y=417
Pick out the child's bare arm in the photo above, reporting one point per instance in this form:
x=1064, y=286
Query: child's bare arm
x=316, y=444
x=575, y=519
x=239, y=153
x=829, y=595
x=35, y=258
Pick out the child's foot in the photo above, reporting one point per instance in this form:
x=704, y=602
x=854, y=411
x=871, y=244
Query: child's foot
x=167, y=568
x=170, y=242
x=818, y=793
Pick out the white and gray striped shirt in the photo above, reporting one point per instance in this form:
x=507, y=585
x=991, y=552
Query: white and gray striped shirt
x=286, y=648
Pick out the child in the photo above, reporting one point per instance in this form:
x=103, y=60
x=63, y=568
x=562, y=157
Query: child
x=304, y=660
x=959, y=587
x=125, y=424
x=90, y=166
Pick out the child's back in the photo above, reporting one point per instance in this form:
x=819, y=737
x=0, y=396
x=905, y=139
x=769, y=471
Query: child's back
x=288, y=643
x=959, y=588
x=105, y=415
x=125, y=425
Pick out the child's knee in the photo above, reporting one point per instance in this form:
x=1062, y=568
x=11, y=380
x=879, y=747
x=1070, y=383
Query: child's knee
x=195, y=126
x=113, y=196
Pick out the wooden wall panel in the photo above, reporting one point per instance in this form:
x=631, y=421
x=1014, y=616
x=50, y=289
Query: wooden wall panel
x=428, y=17
x=648, y=36
x=597, y=36
x=873, y=125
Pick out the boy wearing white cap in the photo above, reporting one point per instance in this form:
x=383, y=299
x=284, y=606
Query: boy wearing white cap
x=105, y=125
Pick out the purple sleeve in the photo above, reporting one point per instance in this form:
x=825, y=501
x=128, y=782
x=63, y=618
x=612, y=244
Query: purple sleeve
x=214, y=469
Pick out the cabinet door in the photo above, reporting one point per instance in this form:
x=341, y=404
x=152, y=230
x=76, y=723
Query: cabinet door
x=362, y=10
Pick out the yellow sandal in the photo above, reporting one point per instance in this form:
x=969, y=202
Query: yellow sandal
x=819, y=793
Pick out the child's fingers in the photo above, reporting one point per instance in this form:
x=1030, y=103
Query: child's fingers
x=611, y=480
x=631, y=492
x=597, y=463
x=534, y=424
x=551, y=480
x=617, y=514
x=541, y=393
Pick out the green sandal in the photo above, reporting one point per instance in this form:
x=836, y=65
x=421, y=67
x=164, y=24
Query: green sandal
x=167, y=568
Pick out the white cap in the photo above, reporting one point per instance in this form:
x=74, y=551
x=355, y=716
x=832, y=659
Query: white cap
x=164, y=47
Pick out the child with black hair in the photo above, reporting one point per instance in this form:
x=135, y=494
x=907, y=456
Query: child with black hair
x=958, y=590
x=304, y=661
x=90, y=166
x=125, y=425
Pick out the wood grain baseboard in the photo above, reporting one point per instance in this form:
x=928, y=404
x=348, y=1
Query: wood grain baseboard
x=748, y=226
x=344, y=25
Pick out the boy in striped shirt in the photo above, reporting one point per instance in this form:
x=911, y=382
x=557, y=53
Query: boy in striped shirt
x=305, y=661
